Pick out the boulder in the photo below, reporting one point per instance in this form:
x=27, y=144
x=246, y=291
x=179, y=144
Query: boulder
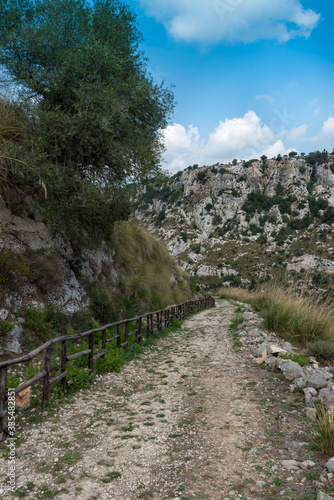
x=327, y=397
x=290, y=369
x=310, y=395
x=13, y=341
x=330, y=465
x=263, y=348
x=323, y=496
x=317, y=380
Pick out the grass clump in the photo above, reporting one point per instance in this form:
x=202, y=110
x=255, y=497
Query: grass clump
x=291, y=314
x=323, y=429
x=323, y=350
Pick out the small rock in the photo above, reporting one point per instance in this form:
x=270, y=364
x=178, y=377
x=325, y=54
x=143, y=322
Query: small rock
x=271, y=362
x=4, y=314
x=330, y=465
x=290, y=464
x=306, y=464
x=324, y=496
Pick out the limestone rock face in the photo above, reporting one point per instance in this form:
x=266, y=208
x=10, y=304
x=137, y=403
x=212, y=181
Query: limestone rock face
x=13, y=341
x=217, y=219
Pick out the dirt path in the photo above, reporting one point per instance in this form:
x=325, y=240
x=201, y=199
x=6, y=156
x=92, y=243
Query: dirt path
x=190, y=418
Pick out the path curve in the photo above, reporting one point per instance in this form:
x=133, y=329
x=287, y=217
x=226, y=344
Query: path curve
x=190, y=418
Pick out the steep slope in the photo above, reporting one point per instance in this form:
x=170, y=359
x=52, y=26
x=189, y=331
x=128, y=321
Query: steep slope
x=48, y=284
x=246, y=222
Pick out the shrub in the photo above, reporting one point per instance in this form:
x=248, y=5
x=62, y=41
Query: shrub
x=323, y=429
x=5, y=327
x=298, y=358
x=202, y=177
x=217, y=219
x=323, y=350
x=208, y=207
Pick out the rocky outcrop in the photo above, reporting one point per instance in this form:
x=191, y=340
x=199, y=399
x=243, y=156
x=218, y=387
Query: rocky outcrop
x=241, y=221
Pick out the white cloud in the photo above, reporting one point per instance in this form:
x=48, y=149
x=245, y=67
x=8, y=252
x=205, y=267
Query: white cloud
x=245, y=138
x=265, y=97
x=233, y=20
x=297, y=133
x=326, y=135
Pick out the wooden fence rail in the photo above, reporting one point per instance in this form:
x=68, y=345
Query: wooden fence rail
x=151, y=323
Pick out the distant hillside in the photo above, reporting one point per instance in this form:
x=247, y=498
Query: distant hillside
x=245, y=222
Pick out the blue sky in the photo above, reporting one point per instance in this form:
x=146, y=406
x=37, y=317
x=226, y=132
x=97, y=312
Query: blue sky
x=251, y=77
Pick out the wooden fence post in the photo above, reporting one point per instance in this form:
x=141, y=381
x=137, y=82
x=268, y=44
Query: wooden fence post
x=63, y=366
x=91, y=354
x=46, y=382
x=119, y=335
x=3, y=383
x=139, y=327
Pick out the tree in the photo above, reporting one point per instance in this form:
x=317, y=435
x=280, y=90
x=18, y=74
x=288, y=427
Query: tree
x=292, y=154
x=95, y=110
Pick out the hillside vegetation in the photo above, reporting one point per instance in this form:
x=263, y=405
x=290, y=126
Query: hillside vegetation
x=243, y=223
x=80, y=120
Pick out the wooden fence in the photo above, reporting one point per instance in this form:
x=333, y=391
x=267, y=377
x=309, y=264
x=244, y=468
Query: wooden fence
x=151, y=323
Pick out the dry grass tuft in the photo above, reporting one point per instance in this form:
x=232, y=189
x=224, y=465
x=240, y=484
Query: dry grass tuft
x=292, y=314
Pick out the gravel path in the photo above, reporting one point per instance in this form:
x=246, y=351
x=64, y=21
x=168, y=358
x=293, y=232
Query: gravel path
x=191, y=417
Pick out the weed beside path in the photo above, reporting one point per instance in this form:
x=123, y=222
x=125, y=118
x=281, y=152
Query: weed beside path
x=189, y=418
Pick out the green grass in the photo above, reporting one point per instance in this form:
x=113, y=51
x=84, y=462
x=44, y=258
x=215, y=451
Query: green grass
x=323, y=430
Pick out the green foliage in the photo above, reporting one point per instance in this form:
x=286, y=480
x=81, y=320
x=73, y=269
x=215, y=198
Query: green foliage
x=317, y=157
x=262, y=203
x=82, y=377
x=112, y=361
x=145, y=269
x=302, y=169
x=208, y=207
x=292, y=154
x=13, y=381
x=184, y=236
x=217, y=219
x=36, y=321
x=13, y=269
x=98, y=112
x=202, y=176
x=323, y=428
x=298, y=358
x=30, y=372
x=316, y=204
x=5, y=327
x=238, y=320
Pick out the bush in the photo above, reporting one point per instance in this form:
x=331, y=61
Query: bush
x=298, y=358
x=5, y=327
x=323, y=428
x=322, y=350
x=202, y=177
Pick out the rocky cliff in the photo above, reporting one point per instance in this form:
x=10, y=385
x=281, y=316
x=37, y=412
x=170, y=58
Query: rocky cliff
x=45, y=279
x=246, y=222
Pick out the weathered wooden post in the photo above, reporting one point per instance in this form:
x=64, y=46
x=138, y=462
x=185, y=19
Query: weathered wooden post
x=3, y=383
x=91, y=348
x=139, y=327
x=46, y=381
x=63, y=366
x=119, y=335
